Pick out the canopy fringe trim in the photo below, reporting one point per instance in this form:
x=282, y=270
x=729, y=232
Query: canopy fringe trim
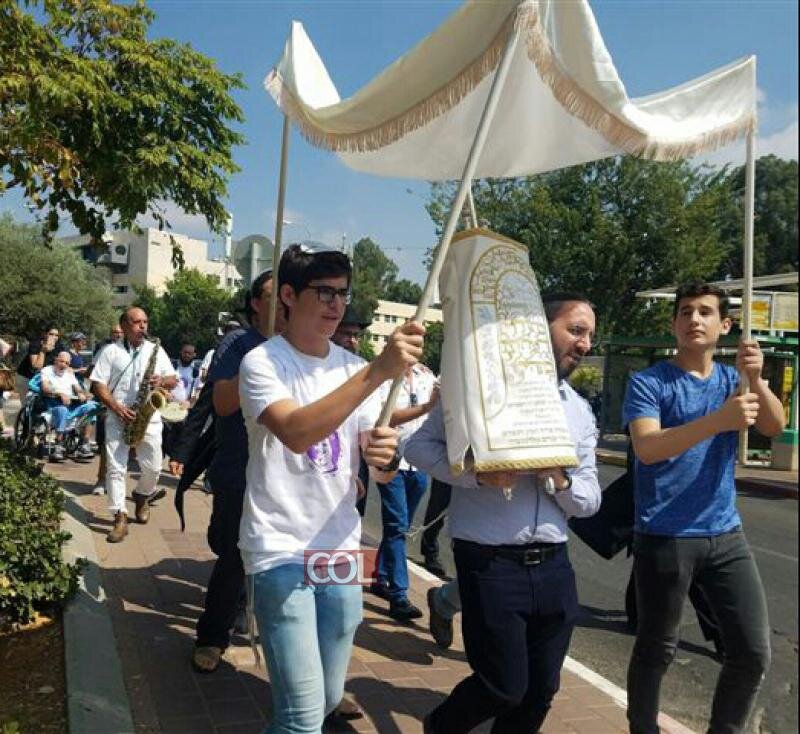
x=572, y=97
x=392, y=130
x=580, y=104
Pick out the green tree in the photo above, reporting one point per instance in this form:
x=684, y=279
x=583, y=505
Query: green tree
x=609, y=229
x=373, y=274
x=42, y=286
x=187, y=312
x=404, y=291
x=432, y=349
x=99, y=121
x=365, y=348
x=775, y=233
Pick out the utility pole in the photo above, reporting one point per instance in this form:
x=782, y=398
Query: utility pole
x=228, y=243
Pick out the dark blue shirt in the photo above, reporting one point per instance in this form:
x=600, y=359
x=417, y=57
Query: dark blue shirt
x=229, y=465
x=692, y=494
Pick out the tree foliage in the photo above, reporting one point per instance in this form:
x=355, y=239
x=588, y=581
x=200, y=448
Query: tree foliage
x=404, y=291
x=42, y=286
x=775, y=236
x=373, y=274
x=617, y=226
x=187, y=312
x=99, y=121
x=432, y=349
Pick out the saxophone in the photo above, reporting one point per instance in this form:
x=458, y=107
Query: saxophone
x=147, y=402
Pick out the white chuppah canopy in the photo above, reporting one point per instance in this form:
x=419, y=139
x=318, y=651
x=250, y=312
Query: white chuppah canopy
x=508, y=88
x=562, y=102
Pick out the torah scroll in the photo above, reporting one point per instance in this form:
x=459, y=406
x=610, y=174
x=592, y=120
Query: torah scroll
x=499, y=387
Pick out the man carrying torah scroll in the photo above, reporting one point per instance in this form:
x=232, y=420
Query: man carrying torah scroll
x=516, y=583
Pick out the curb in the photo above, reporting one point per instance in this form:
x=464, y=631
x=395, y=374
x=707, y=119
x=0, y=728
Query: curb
x=761, y=487
x=766, y=488
x=667, y=724
x=97, y=700
x=617, y=458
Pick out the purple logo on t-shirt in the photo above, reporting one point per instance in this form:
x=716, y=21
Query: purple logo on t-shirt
x=324, y=456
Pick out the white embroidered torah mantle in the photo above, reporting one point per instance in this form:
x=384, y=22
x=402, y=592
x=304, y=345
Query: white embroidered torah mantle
x=499, y=388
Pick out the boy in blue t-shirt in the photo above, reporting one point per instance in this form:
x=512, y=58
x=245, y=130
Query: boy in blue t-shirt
x=684, y=415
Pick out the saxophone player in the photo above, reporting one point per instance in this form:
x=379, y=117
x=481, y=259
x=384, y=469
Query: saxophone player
x=124, y=372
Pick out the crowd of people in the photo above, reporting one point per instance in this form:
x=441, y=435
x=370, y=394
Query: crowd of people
x=282, y=423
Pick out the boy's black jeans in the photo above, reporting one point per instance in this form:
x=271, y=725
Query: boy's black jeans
x=724, y=568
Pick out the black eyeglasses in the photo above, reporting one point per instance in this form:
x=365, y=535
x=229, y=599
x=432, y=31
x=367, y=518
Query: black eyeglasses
x=326, y=293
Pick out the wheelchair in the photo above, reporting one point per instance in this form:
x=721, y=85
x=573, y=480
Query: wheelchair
x=33, y=429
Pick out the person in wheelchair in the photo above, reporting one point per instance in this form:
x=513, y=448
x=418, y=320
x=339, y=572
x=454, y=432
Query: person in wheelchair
x=66, y=402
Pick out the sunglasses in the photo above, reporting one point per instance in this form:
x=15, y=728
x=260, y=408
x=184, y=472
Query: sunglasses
x=326, y=293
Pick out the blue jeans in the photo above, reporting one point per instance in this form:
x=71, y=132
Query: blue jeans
x=61, y=415
x=399, y=501
x=307, y=635
x=447, y=599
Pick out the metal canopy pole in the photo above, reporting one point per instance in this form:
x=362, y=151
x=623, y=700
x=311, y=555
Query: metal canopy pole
x=747, y=285
x=276, y=250
x=458, y=204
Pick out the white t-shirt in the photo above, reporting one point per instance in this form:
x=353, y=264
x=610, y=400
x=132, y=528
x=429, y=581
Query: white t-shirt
x=121, y=368
x=206, y=363
x=420, y=384
x=298, y=502
x=185, y=387
x=64, y=384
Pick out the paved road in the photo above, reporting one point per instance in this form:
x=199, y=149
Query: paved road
x=603, y=643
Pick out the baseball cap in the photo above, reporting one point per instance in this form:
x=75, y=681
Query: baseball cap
x=76, y=335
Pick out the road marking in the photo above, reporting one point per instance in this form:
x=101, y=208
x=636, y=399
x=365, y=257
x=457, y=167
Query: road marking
x=774, y=553
x=617, y=694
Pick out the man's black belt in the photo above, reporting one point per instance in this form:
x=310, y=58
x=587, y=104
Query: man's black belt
x=530, y=554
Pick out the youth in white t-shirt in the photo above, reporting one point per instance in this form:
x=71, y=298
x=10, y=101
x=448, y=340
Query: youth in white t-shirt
x=298, y=502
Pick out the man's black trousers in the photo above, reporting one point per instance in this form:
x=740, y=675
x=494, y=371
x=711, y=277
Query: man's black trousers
x=226, y=585
x=438, y=502
x=517, y=623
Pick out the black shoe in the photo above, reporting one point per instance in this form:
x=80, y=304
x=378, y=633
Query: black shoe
x=440, y=626
x=403, y=610
x=159, y=494
x=427, y=724
x=380, y=590
x=434, y=565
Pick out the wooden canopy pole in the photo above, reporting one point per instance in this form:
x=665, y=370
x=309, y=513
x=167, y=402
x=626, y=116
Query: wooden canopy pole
x=276, y=250
x=747, y=285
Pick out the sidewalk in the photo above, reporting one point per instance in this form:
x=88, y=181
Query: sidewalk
x=154, y=584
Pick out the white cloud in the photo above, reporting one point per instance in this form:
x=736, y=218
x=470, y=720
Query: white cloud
x=192, y=225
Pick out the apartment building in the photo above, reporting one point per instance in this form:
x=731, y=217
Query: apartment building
x=146, y=258
x=389, y=315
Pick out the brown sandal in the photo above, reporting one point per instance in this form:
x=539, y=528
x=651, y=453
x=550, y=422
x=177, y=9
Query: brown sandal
x=205, y=659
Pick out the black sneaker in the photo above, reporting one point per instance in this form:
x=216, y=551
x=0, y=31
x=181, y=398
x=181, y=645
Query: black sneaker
x=434, y=565
x=159, y=494
x=380, y=590
x=440, y=626
x=403, y=610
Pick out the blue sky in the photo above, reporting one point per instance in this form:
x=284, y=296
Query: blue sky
x=655, y=44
